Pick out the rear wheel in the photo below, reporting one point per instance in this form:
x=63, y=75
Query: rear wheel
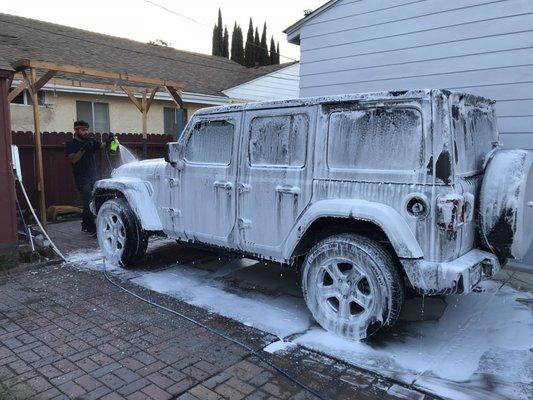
x=120, y=235
x=352, y=286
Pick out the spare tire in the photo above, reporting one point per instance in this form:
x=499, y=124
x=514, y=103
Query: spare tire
x=506, y=204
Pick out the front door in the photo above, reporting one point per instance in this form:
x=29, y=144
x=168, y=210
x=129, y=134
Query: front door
x=205, y=190
x=275, y=176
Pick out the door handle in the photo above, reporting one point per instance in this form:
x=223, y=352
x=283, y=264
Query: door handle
x=530, y=204
x=223, y=185
x=292, y=190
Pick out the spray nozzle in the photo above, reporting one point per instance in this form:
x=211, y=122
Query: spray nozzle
x=112, y=142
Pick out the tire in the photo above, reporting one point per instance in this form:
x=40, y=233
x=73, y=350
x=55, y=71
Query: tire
x=120, y=235
x=506, y=204
x=352, y=286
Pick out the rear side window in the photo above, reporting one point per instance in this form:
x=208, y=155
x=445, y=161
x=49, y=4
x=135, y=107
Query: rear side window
x=475, y=130
x=278, y=140
x=375, y=138
x=211, y=142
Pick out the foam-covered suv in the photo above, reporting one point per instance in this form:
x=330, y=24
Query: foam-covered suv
x=366, y=193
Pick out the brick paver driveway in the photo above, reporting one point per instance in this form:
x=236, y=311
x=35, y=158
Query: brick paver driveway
x=68, y=333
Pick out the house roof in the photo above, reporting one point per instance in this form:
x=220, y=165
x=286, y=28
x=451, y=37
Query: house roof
x=33, y=39
x=293, y=31
x=4, y=65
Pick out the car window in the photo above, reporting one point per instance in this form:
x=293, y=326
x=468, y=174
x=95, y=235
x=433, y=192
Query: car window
x=278, y=140
x=376, y=138
x=475, y=131
x=211, y=142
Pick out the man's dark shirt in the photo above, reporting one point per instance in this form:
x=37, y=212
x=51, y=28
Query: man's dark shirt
x=85, y=169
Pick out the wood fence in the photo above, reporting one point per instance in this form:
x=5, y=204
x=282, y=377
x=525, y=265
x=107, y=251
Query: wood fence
x=58, y=179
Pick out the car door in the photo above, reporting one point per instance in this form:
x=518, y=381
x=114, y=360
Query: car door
x=205, y=195
x=275, y=176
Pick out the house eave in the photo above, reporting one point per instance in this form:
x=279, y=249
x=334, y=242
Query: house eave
x=188, y=97
x=293, y=31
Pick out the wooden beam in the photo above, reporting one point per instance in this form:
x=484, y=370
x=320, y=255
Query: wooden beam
x=132, y=97
x=144, y=112
x=18, y=90
x=175, y=95
x=78, y=70
x=31, y=80
x=44, y=79
x=151, y=98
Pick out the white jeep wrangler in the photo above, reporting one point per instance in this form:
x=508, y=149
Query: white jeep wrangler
x=365, y=193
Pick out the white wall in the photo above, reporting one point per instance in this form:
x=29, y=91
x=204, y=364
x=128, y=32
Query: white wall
x=479, y=46
x=278, y=85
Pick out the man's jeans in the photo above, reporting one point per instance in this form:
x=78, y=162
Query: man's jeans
x=87, y=223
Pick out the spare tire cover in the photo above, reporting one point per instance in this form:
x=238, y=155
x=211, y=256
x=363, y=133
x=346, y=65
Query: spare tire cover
x=506, y=204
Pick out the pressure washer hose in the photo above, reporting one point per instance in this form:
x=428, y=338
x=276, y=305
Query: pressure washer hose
x=56, y=250
x=220, y=334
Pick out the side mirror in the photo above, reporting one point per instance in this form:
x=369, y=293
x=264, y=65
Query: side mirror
x=173, y=154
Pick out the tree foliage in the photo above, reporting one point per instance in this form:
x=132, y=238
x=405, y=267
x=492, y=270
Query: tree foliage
x=252, y=52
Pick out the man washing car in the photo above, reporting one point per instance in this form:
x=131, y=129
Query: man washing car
x=80, y=151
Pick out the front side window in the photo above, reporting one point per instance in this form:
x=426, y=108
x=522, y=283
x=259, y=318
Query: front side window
x=278, y=140
x=375, y=138
x=211, y=142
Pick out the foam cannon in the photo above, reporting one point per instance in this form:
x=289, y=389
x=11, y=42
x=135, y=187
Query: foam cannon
x=112, y=143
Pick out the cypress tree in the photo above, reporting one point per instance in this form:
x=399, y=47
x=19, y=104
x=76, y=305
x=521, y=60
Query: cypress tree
x=215, y=50
x=218, y=40
x=264, y=59
x=256, y=46
x=239, y=52
x=249, y=53
x=277, y=55
x=272, y=51
x=233, y=50
x=225, y=43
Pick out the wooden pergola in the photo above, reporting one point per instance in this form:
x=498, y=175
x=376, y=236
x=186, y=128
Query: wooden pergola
x=35, y=74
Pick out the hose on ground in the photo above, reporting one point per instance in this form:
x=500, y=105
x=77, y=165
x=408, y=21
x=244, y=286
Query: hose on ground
x=220, y=334
x=56, y=250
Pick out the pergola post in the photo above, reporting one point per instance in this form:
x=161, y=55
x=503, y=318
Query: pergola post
x=8, y=233
x=144, y=111
x=31, y=79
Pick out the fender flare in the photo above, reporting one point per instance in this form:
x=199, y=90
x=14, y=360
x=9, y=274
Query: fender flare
x=387, y=218
x=138, y=193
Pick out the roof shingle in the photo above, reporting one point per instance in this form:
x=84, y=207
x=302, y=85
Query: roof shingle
x=33, y=39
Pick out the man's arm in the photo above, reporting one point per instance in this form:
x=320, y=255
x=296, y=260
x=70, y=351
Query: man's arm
x=75, y=157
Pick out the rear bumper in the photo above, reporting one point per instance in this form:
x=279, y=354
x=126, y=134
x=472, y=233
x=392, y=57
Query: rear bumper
x=458, y=276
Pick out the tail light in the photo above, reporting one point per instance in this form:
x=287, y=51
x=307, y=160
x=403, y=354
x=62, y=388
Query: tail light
x=454, y=210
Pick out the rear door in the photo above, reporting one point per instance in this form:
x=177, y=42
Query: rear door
x=275, y=176
x=206, y=189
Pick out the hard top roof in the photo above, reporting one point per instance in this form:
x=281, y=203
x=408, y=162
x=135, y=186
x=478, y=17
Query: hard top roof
x=417, y=94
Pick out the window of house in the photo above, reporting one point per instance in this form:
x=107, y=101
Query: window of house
x=377, y=138
x=211, y=142
x=24, y=98
x=279, y=140
x=174, y=120
x=96, y=114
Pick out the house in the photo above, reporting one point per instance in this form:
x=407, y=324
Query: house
x=275, y=84
x=205, y=78
x=478, y=46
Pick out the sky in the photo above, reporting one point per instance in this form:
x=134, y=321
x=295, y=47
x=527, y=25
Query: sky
x=143, y=21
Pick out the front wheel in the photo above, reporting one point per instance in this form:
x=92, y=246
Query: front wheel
x=352, y=286
x=120, y=235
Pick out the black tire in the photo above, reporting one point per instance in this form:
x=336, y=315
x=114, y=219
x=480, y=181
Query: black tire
x=136, y=239
x=352, y=286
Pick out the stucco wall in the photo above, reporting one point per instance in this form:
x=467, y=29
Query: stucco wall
x=60, y=112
